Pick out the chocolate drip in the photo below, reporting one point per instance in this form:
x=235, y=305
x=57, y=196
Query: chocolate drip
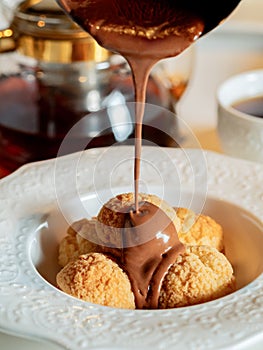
x=146, y=264
x=144, y=32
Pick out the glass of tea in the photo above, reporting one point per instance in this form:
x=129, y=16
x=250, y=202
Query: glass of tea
x=240, y=115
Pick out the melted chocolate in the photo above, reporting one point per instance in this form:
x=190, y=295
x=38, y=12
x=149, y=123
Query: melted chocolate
x=127, y=26
x=144, y=32
x=146, y=263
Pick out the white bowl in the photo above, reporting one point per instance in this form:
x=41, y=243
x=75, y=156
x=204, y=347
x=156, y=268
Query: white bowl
x=39, y=201
x=241, y=134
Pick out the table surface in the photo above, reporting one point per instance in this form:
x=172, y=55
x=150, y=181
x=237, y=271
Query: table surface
x=234, y=47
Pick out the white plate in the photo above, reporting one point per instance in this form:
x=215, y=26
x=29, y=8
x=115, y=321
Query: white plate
x=40, y=200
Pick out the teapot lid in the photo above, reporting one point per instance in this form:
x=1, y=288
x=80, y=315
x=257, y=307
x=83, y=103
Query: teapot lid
x=43, y=31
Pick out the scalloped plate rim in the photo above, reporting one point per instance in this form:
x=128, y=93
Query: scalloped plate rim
x=212, y=156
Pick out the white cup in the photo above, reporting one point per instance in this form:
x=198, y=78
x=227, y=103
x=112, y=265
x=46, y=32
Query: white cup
x=241, y=134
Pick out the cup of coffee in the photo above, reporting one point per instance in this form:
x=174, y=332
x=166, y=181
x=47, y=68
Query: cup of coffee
x=240, y=115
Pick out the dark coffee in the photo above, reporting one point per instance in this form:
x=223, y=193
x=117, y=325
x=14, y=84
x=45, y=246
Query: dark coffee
x=252, y=106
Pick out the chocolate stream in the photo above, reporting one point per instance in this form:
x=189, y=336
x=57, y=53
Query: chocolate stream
x=144, y=32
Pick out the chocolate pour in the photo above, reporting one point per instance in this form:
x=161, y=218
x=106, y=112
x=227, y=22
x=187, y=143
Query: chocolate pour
x=145, y=32
x=147, y=263
x=140, y=78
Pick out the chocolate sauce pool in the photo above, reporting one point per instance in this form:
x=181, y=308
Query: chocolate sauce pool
x=145, y=32
x=146, y=263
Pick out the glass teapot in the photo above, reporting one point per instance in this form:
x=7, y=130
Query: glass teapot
x=52, y=74
x=43, y=92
